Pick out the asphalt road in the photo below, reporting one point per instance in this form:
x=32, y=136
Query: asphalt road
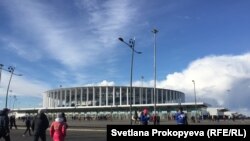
x=96, y=130
x=72, y=135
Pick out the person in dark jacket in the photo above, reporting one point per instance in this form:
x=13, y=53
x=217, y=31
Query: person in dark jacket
x=4, y=124
x=64, y=119
x=13, y=121
x=39, y=125
x=28, y=126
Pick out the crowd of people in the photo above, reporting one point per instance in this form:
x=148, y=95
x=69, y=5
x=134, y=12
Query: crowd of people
x=38, y=126
x=144, y=118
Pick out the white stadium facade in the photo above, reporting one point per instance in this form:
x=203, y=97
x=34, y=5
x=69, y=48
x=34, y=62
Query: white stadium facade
x=103, y=96
x=113, y=101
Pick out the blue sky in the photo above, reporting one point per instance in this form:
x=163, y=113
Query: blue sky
x=75, y=43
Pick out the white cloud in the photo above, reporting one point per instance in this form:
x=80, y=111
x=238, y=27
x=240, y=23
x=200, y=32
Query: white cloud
x=102, y=83
x=21, y=86
x=214, y=76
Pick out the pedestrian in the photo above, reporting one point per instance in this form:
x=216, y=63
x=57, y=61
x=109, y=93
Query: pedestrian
x=156, y=119
x=39, y=125
x=13, y=121
x=4, y=124
x=58, y=129
x=181, y=117
x=64, y=119
x=144, y=117
x=135, y=117
x=28, y=126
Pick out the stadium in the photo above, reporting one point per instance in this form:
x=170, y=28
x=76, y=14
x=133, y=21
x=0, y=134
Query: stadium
x=114, y=101
x=103, y=96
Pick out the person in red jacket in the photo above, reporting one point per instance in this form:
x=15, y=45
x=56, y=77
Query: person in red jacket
x=58, y=129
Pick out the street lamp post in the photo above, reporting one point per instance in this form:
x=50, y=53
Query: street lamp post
x=195, y=101
x=131, y=44
x=10, y=97
x=11, y=70
x=141, y=93
x=14, y=100
x=1, y=67
x=154, y=31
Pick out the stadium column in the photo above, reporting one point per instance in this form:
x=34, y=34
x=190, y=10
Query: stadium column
x=87, y=99
x=162, y=100
x=81, y=97
x=152, y=96
x=94, y=97
x=50, y=99
x=54, y=99
x=47, y=99
x=106, y=96
x=100, y=96
x=113, y=103
x=140, y=96
x=70, y=98
x=65, y=96
x=58, y=98
x=133, y=95
x=75, y=100
x=127, y=96
x=120, y=96
x=60, y=101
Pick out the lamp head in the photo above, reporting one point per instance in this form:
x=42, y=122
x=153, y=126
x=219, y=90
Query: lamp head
x=154, y=30
x=121, y=39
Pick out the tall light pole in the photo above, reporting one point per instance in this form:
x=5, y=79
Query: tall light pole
x=154, y=31
x=195, y=101
x=131, y=44
x=141, y=93
x=14, y=100
x=10, y=97
x=11, y=70
x=1, y=67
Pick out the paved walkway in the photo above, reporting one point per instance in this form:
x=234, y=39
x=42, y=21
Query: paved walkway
x=101, y=124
